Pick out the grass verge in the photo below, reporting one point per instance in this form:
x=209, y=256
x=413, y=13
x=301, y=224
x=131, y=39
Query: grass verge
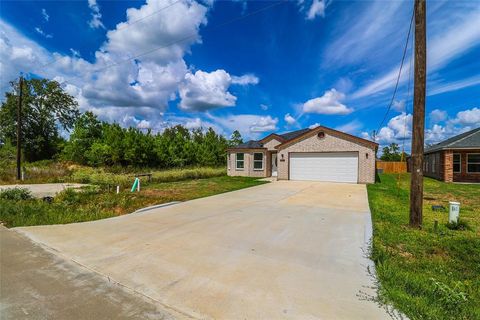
x=429, y=273
x=97, y=203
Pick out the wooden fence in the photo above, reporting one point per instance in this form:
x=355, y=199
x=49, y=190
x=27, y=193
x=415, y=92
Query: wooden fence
x=392, y=166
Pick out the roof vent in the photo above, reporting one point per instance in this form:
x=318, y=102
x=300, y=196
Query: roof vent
x=321, y=134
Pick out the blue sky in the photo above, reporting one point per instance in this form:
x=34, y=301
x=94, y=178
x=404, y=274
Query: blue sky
x=255, y=66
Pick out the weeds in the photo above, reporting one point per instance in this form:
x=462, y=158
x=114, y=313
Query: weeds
x=98, y=203
x=16, y=194
x=432, y=273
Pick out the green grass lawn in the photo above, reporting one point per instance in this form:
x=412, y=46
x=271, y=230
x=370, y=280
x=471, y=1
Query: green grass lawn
x=97, y=203
x=428, y=273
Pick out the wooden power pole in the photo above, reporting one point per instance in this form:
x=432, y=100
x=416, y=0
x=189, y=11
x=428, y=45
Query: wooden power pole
x=418, y=130
x=19, y=130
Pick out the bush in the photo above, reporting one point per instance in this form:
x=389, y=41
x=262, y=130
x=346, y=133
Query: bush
x=16, y=194
x=185, y=174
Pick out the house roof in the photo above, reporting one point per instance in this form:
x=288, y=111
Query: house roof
x=293, y=136
x=333, y=132
x=466, y=140
x=258, y=144
x=252, y=144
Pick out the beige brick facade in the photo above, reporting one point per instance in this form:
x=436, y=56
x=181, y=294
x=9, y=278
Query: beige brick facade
x=248, y=170
x=270, y=145
x=330, y=143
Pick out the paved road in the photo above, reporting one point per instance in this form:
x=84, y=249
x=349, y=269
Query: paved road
x=286, y=249
x=44, y=189
x=35, y=284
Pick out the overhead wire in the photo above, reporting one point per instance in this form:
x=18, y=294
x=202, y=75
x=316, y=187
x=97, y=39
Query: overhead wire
x=399, y=73
x=119, y=29
x=192, y=35
x=406, y=111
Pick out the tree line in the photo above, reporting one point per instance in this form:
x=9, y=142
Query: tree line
x=47, y=109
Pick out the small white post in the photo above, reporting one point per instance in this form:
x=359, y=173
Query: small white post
x=454, y=212
x=138, y=186
x=118, y=189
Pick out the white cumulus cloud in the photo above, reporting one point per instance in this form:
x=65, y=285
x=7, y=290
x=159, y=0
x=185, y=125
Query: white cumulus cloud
x=250, y=126
x=202, y=91
x=289, y=119
x=96, y=20
x=438, y=115
x=329, y=103
x=245, y=79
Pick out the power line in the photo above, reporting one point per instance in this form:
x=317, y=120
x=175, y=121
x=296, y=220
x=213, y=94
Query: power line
x=120, y=29
x=399, y=73
x=192, y=35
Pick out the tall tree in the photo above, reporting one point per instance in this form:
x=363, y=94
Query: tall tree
x=86, y=131
x=46, y=108
x=391, y=153
x=235, y=139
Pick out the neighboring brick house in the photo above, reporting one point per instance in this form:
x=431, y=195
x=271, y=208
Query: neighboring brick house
x=319, y=154
x=456, y=159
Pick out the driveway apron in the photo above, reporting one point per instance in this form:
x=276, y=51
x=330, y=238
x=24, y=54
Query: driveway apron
x=287, y=249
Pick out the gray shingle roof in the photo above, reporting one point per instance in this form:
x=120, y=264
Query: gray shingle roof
x=293, y=134
x=469, y=139
x=253, y=144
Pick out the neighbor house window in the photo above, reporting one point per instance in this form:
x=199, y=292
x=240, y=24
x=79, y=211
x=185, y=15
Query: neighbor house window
x=434, y=164
x=228, y=161
x=258, y=161
x=473, y=163
x=457, y=163
x=240, y=161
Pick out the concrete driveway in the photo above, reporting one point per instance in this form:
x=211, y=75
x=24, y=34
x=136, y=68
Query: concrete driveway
x=286, y=249
x=44, y=189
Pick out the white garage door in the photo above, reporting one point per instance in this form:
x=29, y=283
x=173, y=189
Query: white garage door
x=324, y=166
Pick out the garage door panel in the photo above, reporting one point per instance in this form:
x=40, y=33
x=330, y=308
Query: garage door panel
x=331, y=166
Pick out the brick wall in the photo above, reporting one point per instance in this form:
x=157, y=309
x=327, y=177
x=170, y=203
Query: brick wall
x=270, y=145
x=447, y=168
x=445, y=171
x=433, y=165
x=329, y=143
x=464, y=176
x=247, y=171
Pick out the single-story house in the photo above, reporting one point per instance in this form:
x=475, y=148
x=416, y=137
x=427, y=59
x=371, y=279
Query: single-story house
x=456, y=159
x=319, y=154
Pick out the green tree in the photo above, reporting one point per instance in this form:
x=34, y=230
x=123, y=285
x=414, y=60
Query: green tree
x=86, y=131
x=391, y=153
x=46, y=108
x=235, y=139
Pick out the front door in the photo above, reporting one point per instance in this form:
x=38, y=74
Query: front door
x=274, y=165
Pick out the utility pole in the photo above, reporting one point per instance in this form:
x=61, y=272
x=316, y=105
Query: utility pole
x=19, y=130
x=418, y=130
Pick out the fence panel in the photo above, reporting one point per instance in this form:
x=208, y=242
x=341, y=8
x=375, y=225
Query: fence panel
x=392, y=166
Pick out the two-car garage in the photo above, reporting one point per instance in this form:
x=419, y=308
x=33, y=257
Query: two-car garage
x=324, y=166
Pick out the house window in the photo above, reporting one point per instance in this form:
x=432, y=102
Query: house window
x=473, y=163
x=457, y=163
x=258, y=161
x=240, y=162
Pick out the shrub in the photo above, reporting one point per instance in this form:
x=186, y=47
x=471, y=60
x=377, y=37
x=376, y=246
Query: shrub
x=16, y=194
